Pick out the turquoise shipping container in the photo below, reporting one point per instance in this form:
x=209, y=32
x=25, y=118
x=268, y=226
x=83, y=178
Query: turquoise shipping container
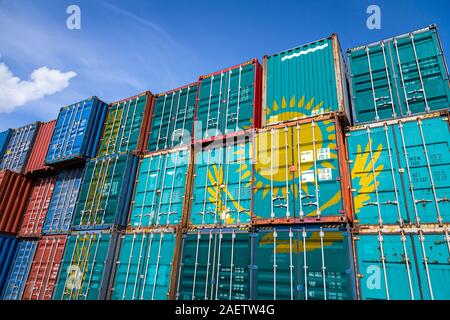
x=86, y=266
x=305, y=81
x=399, y=171
x=105, y=193
x=399, y=76
x=160, y=190
x=214, y=265
x=172, y=120
x=222, y=184
x=145, y=265
x=302, y=263
x=407, y=264
x=228, y=102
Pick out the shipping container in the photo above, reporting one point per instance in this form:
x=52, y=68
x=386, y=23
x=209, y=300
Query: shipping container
x=409, y=264
x=399, y=76
x=399, y=171
x=215, y=265
x=126, y=126
x=301, y=173
x=145, y=265
x=44, y=268
x=4, y=139
x=172, y=120
x=64, y=199
x=14, y=192
x=106, y=192
x=160, y=193
x=222, y=183
x=302, y=263
x=39, y=151
x=19, y=148
x=20, y=270
x=228, y=102
x=305, y=81
x=37, y=207
x=86, y=266
x=8, y=244
x=77, y=132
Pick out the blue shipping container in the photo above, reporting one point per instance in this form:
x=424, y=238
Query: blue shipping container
x=4, y=139
x=77, y=132
x=19, y=271
x=62, y=205
x=8, y=250
x=19, y=147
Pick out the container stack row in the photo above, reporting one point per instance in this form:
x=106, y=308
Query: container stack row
x=250, y=183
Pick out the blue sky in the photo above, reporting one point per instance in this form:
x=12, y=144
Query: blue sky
x=126, y=47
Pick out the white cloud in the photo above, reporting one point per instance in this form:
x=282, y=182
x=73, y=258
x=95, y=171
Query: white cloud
x=43, y=81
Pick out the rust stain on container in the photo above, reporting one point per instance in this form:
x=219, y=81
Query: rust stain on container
x=14, y=191
x=44, y=268
x=40, y=148
x=37, y=207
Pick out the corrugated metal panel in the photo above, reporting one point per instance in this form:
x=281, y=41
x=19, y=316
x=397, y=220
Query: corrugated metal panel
x=172, y=120
x=19, y=270
x=19, y=148
x=399, y=76
x=105, y=193
x=64, y=199
x=305, y=81
x=38, y=204
x=44, y=269
x=228, y=101
x=9, y=248
x=40, y=147
x=303, y=264
x=77, y=132
x=222, y=186
x=144, y=266
x=400, y=171
x=14, y=192
x=159, y=196
x=4, y=139
x=215, y=265
x=126, y=125
x=411, y=265
x=86, y=266
x=310, y=154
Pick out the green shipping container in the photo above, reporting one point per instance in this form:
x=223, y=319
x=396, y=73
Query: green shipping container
x=105, y=193
x=214, y=265
x=305, y=81
x=222, y=184
x=86, y=266
x=409, y=265
x=398, y=77
x=172, y=120
x=302, y=263
x=144, y=266
x=400, y=171
x=126, y=125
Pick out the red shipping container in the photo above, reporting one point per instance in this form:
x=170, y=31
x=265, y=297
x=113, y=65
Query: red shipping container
x=36, y=210
x=14, y=191
x=44, y=268
x=40, y=148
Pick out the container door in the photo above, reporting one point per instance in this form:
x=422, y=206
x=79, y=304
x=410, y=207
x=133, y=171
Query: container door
x=83, y=267
x=214, y=266
x=387, y=268
x=433, y=256
x=274, y=183
x=111, y=139
x=165, y=107
x=378, y=196
x=422, y=79
x=425, y=156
